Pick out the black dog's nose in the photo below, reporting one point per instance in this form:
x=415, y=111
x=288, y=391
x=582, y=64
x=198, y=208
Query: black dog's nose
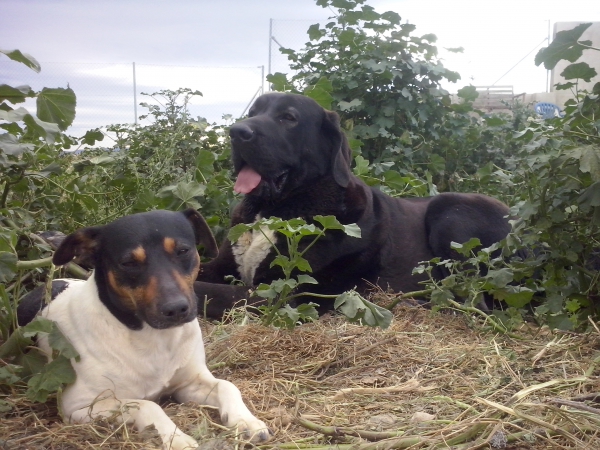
x=241, y=131
x=175, y=308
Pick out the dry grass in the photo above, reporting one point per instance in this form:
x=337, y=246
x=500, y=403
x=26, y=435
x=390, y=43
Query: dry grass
x=429, y=381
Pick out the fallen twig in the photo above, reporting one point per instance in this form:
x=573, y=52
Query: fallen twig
x=576, y=405
x=411, y=385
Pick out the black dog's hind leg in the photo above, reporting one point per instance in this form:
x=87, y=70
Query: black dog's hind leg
x=33, y=302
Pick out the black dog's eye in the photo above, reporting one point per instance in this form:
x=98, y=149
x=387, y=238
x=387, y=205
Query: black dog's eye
x=288, y=117
x=182, y=251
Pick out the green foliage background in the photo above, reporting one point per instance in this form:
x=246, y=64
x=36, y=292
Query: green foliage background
x=408, y=139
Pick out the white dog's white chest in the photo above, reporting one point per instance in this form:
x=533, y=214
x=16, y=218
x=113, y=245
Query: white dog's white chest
x=250, y=250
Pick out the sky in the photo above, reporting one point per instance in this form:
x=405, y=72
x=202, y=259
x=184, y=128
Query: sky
x=222, y=47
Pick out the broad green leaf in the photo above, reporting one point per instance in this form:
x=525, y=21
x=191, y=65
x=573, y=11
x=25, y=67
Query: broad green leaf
x=279, y=284
x=351, y=105
x=589, y=161
x=329, y=222
x=39, y=325
x=265, y=291
x=308, y=311
x=291, y=313
x=560, y=321
x=564, y=46
x=15, y=345
x=57, y=105
x=58, y=341
x=302, y=264
x=437, y=163
x=205, y=162
x=466, y=248
x=579, y=71
x=590, y=196
x=494, y=121
x=306, y=279
x=16, y=94
x=53, y=376
x=92, y=136
x=359, y=310
x=346, y=37
x=352, y=230
x=361, y=165
x=320, y=92
x=515, y=296
x=8, y=266
x=348, y=303
x=468, y=93
x=564, y=86
x=315, y=32
x=279, y=82
x=40, y=128
x=21, y=338
x=441, y=297
x=280, y=260
x=32, y=361
x=8, y=375
x=236, y=231
x=500, y=277
x=102, y=160
x=23, y=58
x=187, y=191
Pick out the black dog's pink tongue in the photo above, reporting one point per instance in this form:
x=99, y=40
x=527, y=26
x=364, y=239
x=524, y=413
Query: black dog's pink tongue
x=246, y=181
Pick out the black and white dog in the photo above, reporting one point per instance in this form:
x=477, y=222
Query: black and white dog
x=134, y=325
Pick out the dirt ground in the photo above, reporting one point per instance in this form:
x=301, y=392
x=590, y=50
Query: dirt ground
x=429, y=381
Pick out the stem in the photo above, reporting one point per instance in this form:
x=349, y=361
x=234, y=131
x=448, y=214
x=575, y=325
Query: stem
x=341, y=431
x=405, y=295
x=5, y=194
x=36, y=263
x=588, y=46
x=495, y=325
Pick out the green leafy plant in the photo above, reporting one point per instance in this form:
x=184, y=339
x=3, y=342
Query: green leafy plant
x=279, y=295
x=385, y=82
x=479, y=275
x=43, y=377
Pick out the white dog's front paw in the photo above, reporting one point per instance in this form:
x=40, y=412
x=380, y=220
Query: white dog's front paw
x=253, y=429
x=179, y=441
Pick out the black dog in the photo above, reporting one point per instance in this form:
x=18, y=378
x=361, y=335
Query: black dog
x=293, y=160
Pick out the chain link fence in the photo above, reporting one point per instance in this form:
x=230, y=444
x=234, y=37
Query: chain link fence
x=287, y=34
x=105, y=91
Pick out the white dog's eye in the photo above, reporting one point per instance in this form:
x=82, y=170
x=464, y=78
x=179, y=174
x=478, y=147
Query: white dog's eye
x=130, y=263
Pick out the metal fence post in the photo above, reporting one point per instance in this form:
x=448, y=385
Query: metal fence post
x=134, y=97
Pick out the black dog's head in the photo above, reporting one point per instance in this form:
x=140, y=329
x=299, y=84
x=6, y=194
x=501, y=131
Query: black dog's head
x=145, y=265
x=287, y=142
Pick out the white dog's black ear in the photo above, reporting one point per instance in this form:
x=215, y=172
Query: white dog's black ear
x=82, y=243
x=202, y=232
x=341, y=153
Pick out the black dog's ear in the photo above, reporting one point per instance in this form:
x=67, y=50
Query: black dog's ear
x=342, y=154
x=83, y=244
x=202, y=232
